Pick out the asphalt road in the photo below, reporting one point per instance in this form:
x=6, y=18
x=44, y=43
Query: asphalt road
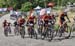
x=13, y=40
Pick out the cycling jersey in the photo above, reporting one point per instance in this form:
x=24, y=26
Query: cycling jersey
x=31, y=19
x=45, y=18
x=5, y=24
x=62, y=18
x=50, y=17
x=21, y=21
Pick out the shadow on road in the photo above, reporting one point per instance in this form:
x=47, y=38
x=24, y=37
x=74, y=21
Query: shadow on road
x=71, y=37
x=11, y=35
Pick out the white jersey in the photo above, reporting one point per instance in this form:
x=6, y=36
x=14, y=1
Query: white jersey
x=11, y=12
x=42, y=12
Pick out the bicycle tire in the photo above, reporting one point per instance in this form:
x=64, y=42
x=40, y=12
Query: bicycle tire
x=50, y=34
x=69, y=32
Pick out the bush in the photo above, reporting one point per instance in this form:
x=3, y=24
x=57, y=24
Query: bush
x=26, y=6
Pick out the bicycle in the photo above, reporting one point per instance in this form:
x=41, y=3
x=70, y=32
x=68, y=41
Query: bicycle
x=49, y=31
x=31, y=32
x=64, y=29
x=6, y=31
x=40, y=27
x=16, y=31
x=22, y=31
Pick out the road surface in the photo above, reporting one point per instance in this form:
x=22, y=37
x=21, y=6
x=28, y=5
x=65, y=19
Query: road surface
x=13, y=40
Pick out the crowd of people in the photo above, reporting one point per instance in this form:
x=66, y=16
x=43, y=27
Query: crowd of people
x=44, y=18
x=42, y=21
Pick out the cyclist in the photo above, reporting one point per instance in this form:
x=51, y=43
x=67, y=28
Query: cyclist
x=40, y=22
x=5, y=26
x=30, y=23
x=5, y=23
x=62, y=21
x=42, y=13
x=31, y=19
x=21, y=22
x=9, y=27
x=16, y=28
x=51, y=18
x=62, y=18
x=45, y=21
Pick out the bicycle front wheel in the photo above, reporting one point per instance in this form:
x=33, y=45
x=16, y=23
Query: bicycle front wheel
x=50, y=34
x=67, y=32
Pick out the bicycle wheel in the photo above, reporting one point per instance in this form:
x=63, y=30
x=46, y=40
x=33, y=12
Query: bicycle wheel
x=31, y=32
x=22, y=32
x=35, y=34
x=39, y=30
x=6, y=31
x=67, y=32
x=44, y=33
x=59, y=32
x=50, y=34
x=16, y=31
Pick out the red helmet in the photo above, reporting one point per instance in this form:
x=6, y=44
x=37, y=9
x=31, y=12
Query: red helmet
x=51, y=4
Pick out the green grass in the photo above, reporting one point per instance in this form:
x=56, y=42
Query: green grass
x=56, y=27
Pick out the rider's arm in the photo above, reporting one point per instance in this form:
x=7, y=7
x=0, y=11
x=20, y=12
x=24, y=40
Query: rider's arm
x=53, y=18
x=68, y=18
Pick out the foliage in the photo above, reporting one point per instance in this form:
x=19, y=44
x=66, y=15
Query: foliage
x=26, y=6
x=20, y=4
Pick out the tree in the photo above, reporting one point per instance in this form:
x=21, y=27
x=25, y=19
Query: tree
x=20, y=4
x=3, y=3
x=26, y=6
